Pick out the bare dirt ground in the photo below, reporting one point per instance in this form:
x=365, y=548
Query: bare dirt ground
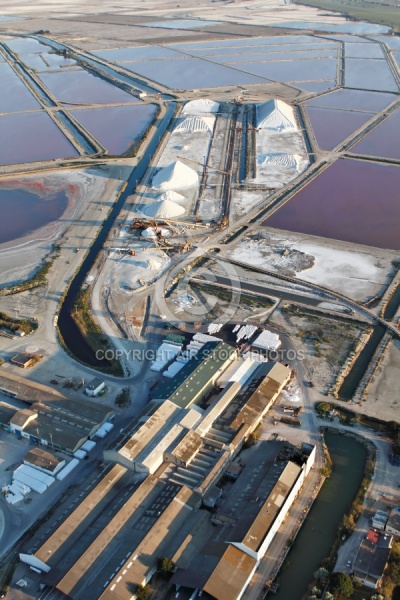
x=357, y=271
x=322, y=344
x=382, y=396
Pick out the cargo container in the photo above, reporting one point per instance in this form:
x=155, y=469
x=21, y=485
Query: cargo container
x=35, y=474
x=67, y=470
x=34, y=484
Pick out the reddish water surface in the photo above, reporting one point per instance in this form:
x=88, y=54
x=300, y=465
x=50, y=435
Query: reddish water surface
x=331, y=127
x=117, y=128
x=23, y=212
x=353, y=201
x=31, y=137
x=382, y=141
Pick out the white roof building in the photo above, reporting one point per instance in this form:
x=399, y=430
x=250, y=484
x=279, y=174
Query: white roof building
x=267, y=341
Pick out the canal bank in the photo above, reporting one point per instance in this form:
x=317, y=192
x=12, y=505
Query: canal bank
x=318, y=534
x=70, y=333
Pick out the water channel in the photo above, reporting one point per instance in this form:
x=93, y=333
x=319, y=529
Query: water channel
x=70, y=332
x=352, y=380
x=392, y=305
x=317, y=536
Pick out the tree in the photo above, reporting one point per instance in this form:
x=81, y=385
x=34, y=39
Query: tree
x=142, y=593
x=341, y=584
x=166, y=565
x=322, y=574
x=323, y=407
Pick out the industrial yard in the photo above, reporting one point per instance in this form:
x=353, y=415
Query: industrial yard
x=199, y=289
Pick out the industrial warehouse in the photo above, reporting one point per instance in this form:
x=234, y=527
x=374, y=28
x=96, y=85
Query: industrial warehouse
x=154, y=499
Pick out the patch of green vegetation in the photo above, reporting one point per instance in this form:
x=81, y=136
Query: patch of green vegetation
x=15, y=325
x=91, y=331
x=39, y=278
x=341, y=584
x=360, y=10
x=253, y=438
x=323, y=407
x=123, y=399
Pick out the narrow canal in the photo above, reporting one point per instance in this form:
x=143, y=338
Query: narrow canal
x=392, y=305
x=317, y=536
x=352, y=380
x=69, y=331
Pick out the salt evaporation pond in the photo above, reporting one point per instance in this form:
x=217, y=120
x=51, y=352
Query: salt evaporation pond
x=354, y=100
x=15, y=95
x=191, y=73
x=317, y=86
x=259, y=41
x=26, y=46
x=363, y=50
x=140, y=53
x=79, y=87
x=265, y=50
x=46, y=61
x=331, y=127
x=369, y=74
x=231, y=59
x=32, y=137
x=117, y=128
x=301, y=70
x=382, y=141
x=23, y=212
x=353, y=201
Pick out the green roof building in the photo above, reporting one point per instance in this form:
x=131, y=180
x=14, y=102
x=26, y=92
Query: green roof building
x=197, y=378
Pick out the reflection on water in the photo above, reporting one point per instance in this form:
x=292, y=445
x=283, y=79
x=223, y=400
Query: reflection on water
x=353, y=201
x=318, y=533
x=14, y=96
x=23, y=212
x=117, y=128
x=80, y=87
x=382, y=141
x=32, y=137
x=331, y=127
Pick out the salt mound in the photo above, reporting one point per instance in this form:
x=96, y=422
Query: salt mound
x=154, y=265
x=200, y=106
x=171, y=195
x=151, y=232
x=163, y=209
x=175, y=176
x=193, y=124
x=276, y=115
x=280, y=159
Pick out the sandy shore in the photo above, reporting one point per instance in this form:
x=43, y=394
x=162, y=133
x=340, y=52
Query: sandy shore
x=19, y=259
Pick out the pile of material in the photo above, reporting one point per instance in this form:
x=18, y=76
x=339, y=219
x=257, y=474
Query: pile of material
x=200, y=106
x=275, y=115
x=194, y=124
x=163, y=209
x=175, y=176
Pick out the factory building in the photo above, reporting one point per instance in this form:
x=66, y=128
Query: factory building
x=372, y=558
x=44, y=461
x=61, y=423
x=393, y=522
x=194, y=382
x=163, y=429
x=246, y=524
x=147, y=505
